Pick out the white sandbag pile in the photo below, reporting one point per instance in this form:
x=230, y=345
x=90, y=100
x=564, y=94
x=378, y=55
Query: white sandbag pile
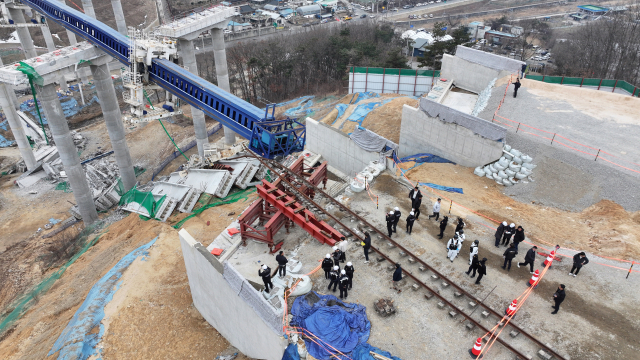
x=512, y=168
x=368, y=174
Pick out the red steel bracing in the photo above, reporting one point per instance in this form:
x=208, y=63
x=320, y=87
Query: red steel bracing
x=265, y=213
x=295, y=212
x=316, y=175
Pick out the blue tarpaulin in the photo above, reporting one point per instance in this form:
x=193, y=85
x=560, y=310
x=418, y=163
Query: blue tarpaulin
x=341, y=109
x=443, y=188
x=425, y=158
x=291, y=353
x=366, y=95
x=362, y=353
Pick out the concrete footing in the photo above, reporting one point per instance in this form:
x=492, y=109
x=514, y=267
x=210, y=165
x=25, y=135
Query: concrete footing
x=16, y=127
x=113, y=120
x=68, y=153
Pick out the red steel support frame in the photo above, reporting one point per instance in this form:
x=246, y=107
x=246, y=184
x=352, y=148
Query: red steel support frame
x=265, y=213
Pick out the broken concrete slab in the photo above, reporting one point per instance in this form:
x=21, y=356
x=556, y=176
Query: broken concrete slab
x=213, y=182
x=24, y=182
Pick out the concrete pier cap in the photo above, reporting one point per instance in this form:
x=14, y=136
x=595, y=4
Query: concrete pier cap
x=192, y=25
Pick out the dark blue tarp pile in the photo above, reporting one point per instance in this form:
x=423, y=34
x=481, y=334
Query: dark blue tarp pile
x=425, y=158
x=343, y=326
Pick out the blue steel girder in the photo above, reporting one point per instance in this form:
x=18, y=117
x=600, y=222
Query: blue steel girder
x=267, y=136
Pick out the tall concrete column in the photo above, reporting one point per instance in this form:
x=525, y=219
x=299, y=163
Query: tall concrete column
x=48, y=39
x=222, y=74
x=87, y=6
x=23, y=34
x=119, y=15
x=70, y=34
x=199, y=125
x=68, y=153
x=12, y=94
x=63, y=83
x=16, y=127
x=113, y=120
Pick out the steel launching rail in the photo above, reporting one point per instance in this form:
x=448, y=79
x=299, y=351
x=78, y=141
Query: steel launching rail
x=384, y=236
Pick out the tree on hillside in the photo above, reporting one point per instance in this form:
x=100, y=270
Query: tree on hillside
x=532, y=30
x=495, y=23
x=433, y=53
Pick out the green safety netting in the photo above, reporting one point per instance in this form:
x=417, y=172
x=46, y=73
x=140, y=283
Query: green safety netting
x=33, y=76
x=20, y=305
x=144, y=198
x=64, y=186
x=572, y=81
x=591, y=82
x=626, y=86
x=231, y=198
x=608, y=83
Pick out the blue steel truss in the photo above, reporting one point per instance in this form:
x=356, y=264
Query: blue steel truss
x=267, y=136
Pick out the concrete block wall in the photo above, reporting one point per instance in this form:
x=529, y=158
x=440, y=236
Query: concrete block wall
x=337, y=148
x=468, y=75
x=420, y=133
x=223, y=308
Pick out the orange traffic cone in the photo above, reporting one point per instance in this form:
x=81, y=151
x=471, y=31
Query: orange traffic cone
x=534, y=278
x=475, y=351
x=512, y=308
x=549, y=259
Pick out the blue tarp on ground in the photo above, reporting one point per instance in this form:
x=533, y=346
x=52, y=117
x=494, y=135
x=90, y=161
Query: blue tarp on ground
x=77, y=340
x=295, y=100
x=360, y=113
x=443, y=188
x=341, y=109
x=366, y=95
x=362, y=353
x=425, y=158
x=291, y=353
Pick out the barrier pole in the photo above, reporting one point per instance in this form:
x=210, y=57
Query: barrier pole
x=415, y=84
x=353, y=79
x=366, y=79
x=614, y=86
x=450, y=205
x=562, y=80
x=599, y=84
x=629, y=270
x=384, y=70
x=377, y=201
x=634, y=91
x=582, y=81
x=554, y=136
x=596, y=159
x=518, y=128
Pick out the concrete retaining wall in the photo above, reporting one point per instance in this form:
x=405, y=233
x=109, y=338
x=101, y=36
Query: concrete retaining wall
x=468, y=75
x=420, y=133
x=337, y=148
x=222, y=306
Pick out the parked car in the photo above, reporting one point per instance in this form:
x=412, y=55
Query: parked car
x=372, y=16
x=363, y=16
x=420, y=29
x=306, y=25
x=406, y=7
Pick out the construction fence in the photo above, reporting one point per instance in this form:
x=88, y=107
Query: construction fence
x=618, y=86
x=397, y=81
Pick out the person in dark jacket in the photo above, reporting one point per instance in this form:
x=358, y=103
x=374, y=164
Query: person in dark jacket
x=482, y=270
x=414, y=194
x=344, y=284
x=416, y=206
x=524, y=68
x=460, y=225
x=282, y=264
x=518, y=237
x=327, y=264
x=337, y=255
x=350, y=270
x=474, y=265
x=516, y=86
x=366, y=246
x=397, y=276
x=508, y=233
x=579, y=260
x=508, y=255
x=390, y=218
x=529, y=258
x=500, y=232
x=410, y=219
x=443, y=226
x=397, y=214
x=265, y=274
x=558, y=298
x=335, y=277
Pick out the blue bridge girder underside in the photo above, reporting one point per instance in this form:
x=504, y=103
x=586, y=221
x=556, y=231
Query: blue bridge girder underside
x=266, y=136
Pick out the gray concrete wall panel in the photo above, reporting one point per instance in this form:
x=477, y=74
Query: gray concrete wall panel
x=468, y=75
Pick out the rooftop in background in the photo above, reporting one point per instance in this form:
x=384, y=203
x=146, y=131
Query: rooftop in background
x=500, y=33
x=593, y=9
x=197, y=22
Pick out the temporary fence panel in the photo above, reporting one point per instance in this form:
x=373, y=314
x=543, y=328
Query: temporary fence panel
x=589, y=82
x=552, y=79
x=572, y=81
x=396, y=81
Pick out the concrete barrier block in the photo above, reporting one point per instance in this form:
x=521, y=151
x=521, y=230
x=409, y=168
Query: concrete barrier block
x=469, y=325
x=441, y=305
x=434, y=277
x=422, y=268
x=444, y=284
x=514, y=333
x=453, y=314
x=485, y=314
x=428, y=295
x=544, y=355
x=415, y=287
x=457, y=294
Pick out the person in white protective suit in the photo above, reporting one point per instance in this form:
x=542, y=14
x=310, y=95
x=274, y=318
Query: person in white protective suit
x=461, y=236
x=473, y=250
x=453, y=247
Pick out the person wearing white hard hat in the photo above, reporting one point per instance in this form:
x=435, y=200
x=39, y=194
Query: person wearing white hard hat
x=337, y=255
x=410, y=219
x=335, y=275
x=350, y=270
x=453, y=246
x=327, y=264
x=390, y=219
x=397, y=214
x=508, y=233
x=473, y=250
x=344, y=284
x=500, y=232
x=265, y=274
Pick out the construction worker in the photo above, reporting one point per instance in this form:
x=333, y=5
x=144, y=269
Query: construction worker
x=397, y=214
x=516, y=86
x=410, y=219
x=436, y=209
x=529, y=258
x=334, y=276
x=282, y=264
x=482, y=270
x=443, y=226
x=473, y=265
x=344, y=284
x=579, y=260
x=414, y=194
x=416, y=206
x=461, y=236
x=558, y=298
x=508, y=233
x=460, y=225
x=397, y=276
x=500, y=232
x=366, y=246
x=473, y=250
x=327, y=264
x=508, y=255
x=337, y=256
x=518, y=237
x=390, y=219
x=265, y=274
x=350, y=270
x=453, y=247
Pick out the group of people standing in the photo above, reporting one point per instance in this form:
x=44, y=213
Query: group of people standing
x=342, y=279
